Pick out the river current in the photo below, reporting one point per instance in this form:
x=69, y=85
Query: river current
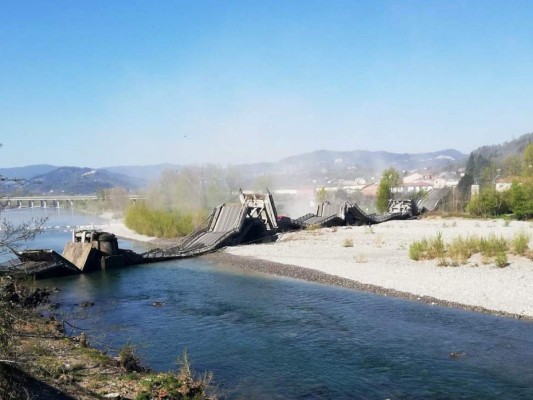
x=267, y=337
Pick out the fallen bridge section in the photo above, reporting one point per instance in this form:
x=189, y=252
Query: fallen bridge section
x=345, y=213
x=253, y=218
x=39, y=263
x=434, y=199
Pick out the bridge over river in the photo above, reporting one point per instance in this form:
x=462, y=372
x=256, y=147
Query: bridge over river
x=53, y=201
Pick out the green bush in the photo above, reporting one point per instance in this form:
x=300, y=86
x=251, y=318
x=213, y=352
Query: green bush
x=436, y=248
x=520, y=243
x=493, y=245
x=418, y=250
x=128, y=359
x=501, y=260
x=460, y=250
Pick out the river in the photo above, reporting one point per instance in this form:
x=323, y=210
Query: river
x=267, y=337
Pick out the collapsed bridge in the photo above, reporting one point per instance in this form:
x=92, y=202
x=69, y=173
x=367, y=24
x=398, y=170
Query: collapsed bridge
x=345, y=213
x=252, y=218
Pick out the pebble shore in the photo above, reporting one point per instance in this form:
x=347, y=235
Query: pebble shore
x=378, y=262
x=311, y=275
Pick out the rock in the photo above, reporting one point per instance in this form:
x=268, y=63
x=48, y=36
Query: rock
x=83, y=339
x=457, y=354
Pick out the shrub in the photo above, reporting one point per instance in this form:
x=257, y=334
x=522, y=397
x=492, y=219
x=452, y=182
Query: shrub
x=418, y=250
x=501, y=260
x=459, y=250
x=493, y=245
x=520, y=243
x=347, y=242
x=436, y=248
x=128, y=360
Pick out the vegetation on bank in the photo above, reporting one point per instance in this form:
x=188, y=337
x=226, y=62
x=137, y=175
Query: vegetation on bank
x=518, y=200
x=181, y=200
x=458, y=251
x=38, y=359
x=159, y=223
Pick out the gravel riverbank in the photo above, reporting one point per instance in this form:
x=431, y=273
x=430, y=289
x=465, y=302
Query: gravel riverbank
x=378, y=262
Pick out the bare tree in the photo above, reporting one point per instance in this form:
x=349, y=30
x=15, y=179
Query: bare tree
x=12, y=235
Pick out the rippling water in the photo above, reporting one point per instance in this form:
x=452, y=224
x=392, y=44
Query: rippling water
x=267, y=337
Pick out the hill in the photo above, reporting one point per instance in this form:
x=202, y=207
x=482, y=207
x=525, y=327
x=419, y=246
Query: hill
x=144, y=173
x=499, y=152
x=73, y=180
x=27, y=172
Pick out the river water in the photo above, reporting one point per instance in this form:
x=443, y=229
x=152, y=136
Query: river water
x=268, y=337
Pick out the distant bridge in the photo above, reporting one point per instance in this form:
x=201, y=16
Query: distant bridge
x=53, y=201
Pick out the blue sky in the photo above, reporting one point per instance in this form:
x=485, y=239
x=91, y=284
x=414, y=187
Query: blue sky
x=103, y=83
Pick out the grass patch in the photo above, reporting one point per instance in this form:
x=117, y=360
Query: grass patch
x=520, y=243
x=183, y=385
x=436, y=247
x=95, y=355
x=458, y=251
x=493, y=245
x=418, y=250
x=461, y=249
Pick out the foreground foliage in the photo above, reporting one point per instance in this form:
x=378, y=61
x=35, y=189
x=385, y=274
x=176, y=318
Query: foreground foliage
x=37, y=359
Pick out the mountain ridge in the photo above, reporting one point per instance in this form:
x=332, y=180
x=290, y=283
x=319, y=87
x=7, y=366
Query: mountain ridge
x=304, y=167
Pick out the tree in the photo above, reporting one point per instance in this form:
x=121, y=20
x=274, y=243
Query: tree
x=512, y=165
x=464, y=185
x=521, y=199
x=12, y=235
x=527, y=169
x=389, y=179
x=321, y=195
x=488, y=202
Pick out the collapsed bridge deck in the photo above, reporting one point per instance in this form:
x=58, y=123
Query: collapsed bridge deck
x=253, y=218
x=346, y=213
